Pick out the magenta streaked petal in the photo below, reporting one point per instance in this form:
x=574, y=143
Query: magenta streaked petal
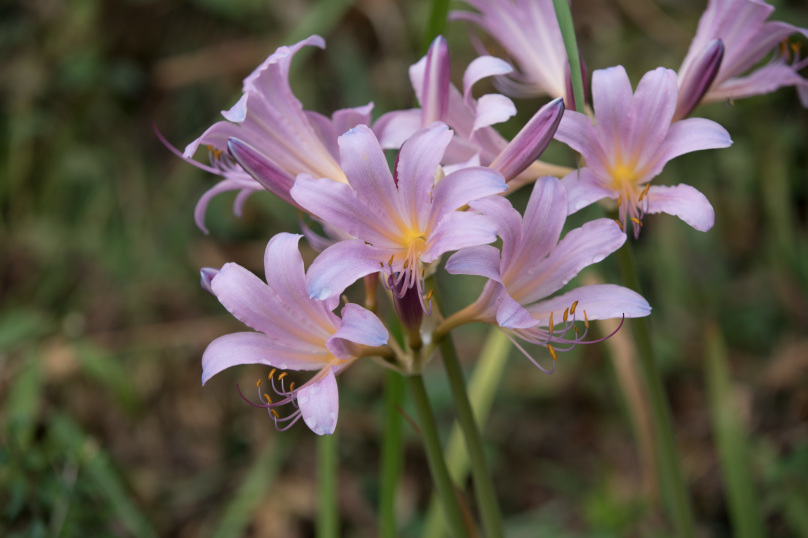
x=459, y=230
x=685, y=202
x=480, y=68
x=512, y=315
x=417, y=164
x=584, y=188
x=360, y=326
x=255, y=348
x=531, y=141
x=461, y=187
x=493, y=108
x=394, y=128
x=264, y=171
x=434, y=96
x=342, y=264
x=339, y=205
x=319, y=404
x=206, y=275
x=694, y=84
x=601, y=301
x=481, y=260
x=580, y=248
x=650, y=116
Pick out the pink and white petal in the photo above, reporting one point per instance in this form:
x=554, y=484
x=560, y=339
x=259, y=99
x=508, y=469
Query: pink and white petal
x=342, y=264
x=338, y=205
x=493, y=108
x=481, y=260
x=325, y=131
x=473, y=161
x=394, y=128
x=368, y=172
x=348, y=118
x=459, y=230
x=600, y=301
x=508, y=221
x=280, y=60
x=580, y=248
x=685, y=202
x=611, y=97
x=461, y=187
x=480, y=68
x=285, y=274
x=685, y=136
x=418, y=161
x=434, y=96
x=238, y=112
x=319, y=404
x=512, y=315
x=361, y=326
x=544, y=218
x=650, y=115
x=254, y=348
x=584, y=188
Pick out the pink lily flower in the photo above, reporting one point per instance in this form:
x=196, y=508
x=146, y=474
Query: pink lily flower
x=747, y=37
x=293, y=332
x=268, y=138
x=629, y=144
x=533, y=265
x=401, y=222
x=475, y=142
x=528, y=30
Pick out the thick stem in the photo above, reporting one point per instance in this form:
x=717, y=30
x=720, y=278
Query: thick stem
x=668, y=467
x=327, y=514
x=392, y=452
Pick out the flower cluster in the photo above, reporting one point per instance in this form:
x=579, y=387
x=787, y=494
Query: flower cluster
x=447, y=193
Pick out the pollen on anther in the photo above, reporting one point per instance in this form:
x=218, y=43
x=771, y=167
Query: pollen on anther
x=636, y=221
x=429, y=294
x=572, y=308
x=282, y=376
x=586, y=320
x=550, y=327
x=645, y=191
x=292, y=386
x=390, y=263
x=271, y=374
x=552, y=352
x=258, y=383
x=275, y=413
x=619, y=224
x=269, y=400
x=566, y=314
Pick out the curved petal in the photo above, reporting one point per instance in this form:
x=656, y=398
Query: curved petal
x=268, y=174
x=254, y=348
x=685, y=202
x=246, y=184
x=434, y=96
x=583, y=189
x=342, y=264
x=576, y=131
x=361, y=326
x=394, y=128
x=693, y=134
x=764, y=80
x=482, y=260
x=480, y=68
x=600, y=301
x=512, y=315
x=459, y=230
x=493, y=108
x=507, y=219
x=461, y=187
x=345, y=119
x=319, y=404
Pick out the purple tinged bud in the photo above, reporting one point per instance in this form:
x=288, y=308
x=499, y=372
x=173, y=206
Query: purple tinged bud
x=206, y=278
x=530, y=142
x=435, y=91
x=696, y=82
x=409, y=308
x=270, y=176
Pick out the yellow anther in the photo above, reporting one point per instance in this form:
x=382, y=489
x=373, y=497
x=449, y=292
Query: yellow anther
x=406, y=263
x=586, y=320
x=259, y=383
x=552, y=352
x=422, y=272
x=284, y=374
x=292, y=386
x=275, y=413
x=551, y=323
x=645, y=191
x=429, y=294
x=620, y=199
x=572, y=308
x=636, y=221
x=796, y=46
x=390, y=263
x=576, y=330
x=271, y=374
x=619, y=224
x=566, y=314
x=269, y=400
x=217, y=153
x=381, y=264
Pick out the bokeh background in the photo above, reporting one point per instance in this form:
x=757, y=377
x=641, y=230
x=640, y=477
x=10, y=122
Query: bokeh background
x=105, y=428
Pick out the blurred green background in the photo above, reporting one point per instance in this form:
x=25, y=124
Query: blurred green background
x=105, y=429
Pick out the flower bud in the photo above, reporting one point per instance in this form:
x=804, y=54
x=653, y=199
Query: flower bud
x=694, y=84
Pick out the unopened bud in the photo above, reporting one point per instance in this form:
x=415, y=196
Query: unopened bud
x=268, y=174
x=206, y=275
x=695, y=82
x=435, y=91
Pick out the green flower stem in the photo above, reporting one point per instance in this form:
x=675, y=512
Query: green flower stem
x=482, y=388
x=564, y=16
x=327, y=516
x=668, y=467
x=437, y=22
x=434, y=456
x=392, y=452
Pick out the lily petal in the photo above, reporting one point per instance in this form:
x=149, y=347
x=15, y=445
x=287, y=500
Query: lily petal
x=600, y=301
x=685, y=202
x=482, y=260
x=340, y=265
x=319, y=404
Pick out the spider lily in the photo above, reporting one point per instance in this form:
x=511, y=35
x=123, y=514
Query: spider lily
x=293, y=332
x=528, y=30
x=747, y=38
x=533, y=265
x=475, y=142
x=401, y=221
x=267, y=138
x=629, y=144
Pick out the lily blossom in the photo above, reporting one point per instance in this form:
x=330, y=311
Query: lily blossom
x=629, y=144
x=533, y=265
x=475, y=142
x=401, y=221
x=528, y=30
x=268, y=138
x=293, y=332
x=748, y=38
